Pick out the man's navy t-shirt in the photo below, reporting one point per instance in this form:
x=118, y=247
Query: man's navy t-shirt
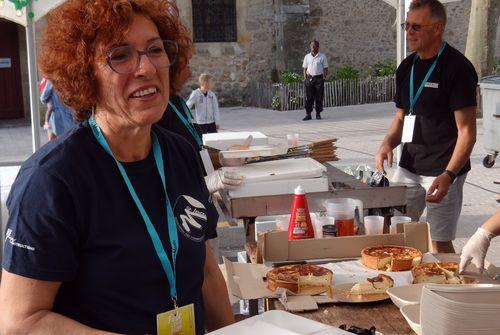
x=72, y=219
x=451, y=86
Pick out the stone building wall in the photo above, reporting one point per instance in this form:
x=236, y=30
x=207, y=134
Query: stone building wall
x=363, y=32
x=358, y=32
x=276, y=34
x=235, y=65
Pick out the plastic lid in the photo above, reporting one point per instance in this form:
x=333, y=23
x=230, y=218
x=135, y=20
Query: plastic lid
x=299, y=190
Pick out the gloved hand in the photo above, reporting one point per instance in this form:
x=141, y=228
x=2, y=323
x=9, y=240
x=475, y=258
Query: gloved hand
x=220, y=179
x=475, y=249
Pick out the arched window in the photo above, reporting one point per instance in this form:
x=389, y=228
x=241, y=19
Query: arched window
x=214, y=20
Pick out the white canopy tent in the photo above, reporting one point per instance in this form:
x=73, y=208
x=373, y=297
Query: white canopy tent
x=21, y=15
x=41, y=7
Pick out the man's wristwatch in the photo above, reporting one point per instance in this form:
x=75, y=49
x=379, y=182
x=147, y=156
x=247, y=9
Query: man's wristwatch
x=451, y=174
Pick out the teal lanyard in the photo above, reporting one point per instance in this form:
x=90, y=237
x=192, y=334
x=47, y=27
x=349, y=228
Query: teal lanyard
x=188, y=123
x=172, y=230
x=414, y=97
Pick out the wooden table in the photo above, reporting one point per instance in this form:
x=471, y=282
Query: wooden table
x=384, y=315
x=342, y=185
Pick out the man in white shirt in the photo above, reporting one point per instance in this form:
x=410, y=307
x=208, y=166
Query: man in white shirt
x=315, y=72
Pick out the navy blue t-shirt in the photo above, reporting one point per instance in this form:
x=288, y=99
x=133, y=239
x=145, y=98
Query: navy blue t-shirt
x=72, y=219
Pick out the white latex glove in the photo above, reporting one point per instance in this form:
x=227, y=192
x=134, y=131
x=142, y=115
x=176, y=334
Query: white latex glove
x=475, y=249
x=219, y=180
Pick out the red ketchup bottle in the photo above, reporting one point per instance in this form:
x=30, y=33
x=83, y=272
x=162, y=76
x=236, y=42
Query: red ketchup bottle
x=300, y=226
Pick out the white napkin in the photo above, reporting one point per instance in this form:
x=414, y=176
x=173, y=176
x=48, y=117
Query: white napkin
x=355, y=271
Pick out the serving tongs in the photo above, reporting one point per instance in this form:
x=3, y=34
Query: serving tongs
x=290, y=153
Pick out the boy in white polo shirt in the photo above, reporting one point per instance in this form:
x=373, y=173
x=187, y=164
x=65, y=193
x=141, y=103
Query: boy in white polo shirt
x=206, y=105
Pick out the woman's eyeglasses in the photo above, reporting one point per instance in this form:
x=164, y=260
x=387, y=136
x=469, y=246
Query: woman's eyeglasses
x=125, y=59
x=416, y=27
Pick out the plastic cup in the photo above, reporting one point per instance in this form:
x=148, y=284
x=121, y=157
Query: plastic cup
x=374, y=225
x=292, y=140
x=319, y=222
x=282, y=222
x=398, y=219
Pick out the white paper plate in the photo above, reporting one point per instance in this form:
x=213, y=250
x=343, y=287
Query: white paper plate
x=412, y=315
x=405, y=295
x=277, y=323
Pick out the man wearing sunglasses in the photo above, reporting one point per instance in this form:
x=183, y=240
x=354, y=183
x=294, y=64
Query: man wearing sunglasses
x=435, y=121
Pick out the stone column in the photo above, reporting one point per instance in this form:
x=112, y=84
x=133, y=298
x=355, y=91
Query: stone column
x=481, y=38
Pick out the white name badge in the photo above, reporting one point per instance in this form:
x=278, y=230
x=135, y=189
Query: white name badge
x=408, y=127
x=432, y=85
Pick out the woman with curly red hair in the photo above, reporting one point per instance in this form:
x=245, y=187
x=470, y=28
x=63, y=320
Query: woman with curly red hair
x=109, y=225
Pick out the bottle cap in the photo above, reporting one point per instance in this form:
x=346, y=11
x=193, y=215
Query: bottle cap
x=299, y=190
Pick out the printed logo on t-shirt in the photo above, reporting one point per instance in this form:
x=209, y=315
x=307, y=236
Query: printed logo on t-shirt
x=191, y=217
x=9, y=238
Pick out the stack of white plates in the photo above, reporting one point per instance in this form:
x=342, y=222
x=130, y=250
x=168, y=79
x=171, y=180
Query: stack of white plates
x=456, y=309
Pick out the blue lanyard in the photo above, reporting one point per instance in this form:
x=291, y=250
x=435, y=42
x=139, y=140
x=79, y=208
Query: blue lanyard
x=414, y=97
x=188, y=123
x=172, y=230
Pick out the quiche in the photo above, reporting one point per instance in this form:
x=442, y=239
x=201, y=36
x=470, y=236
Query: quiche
x=437, y=273
x=300, y=278
x=391, y=257
x=376, y=285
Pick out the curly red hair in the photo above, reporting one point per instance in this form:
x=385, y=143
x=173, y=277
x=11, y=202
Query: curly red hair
x=78, y=30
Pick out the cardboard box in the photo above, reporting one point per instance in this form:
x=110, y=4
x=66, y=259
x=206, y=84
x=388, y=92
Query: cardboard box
x=246, y=281
x=276, y=247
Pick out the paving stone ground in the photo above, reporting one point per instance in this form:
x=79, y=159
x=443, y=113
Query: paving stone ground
x=359, y=129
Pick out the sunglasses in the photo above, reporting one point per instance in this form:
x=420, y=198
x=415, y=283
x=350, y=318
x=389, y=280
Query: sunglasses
x=416, y=27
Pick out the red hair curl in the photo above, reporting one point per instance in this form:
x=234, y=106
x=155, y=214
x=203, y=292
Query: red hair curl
x=78, y=30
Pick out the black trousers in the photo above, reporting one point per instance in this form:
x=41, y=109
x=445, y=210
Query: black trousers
x=315, y=90
x=208, y=128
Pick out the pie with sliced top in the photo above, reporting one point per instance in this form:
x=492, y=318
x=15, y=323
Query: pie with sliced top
x=300, y=278
x=391, y=257
x=438, y=273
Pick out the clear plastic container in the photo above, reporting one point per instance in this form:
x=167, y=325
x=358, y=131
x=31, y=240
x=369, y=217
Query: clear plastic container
x=342, y=210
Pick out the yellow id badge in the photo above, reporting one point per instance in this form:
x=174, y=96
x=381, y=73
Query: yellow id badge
x=179, y=321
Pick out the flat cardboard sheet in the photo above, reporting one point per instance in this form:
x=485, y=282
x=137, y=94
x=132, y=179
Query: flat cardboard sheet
x=246, y=280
